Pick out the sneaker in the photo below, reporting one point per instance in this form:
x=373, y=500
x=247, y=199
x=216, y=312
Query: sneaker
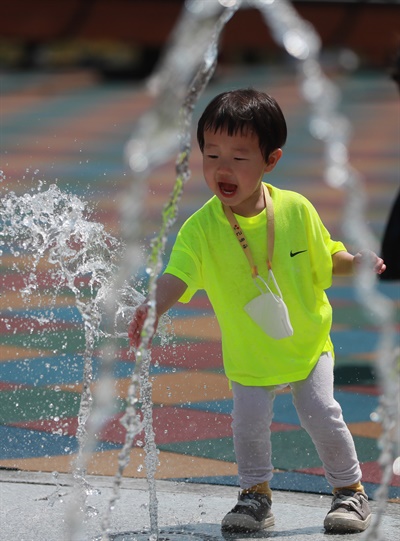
x=251, y=513
x=350, y=512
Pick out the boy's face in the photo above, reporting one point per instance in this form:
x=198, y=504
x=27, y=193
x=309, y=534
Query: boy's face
x=233, y=167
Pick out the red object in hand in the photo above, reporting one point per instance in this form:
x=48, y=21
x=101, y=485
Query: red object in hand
x=137, y=323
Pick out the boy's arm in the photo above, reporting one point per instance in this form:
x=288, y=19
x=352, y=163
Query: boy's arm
x=169, y=290
x=345, y=264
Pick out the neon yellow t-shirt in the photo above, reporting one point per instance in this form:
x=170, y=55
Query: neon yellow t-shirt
x=207, y=255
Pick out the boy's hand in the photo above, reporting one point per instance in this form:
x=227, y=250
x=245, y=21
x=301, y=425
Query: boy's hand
x=137, y=323
x=371, y=260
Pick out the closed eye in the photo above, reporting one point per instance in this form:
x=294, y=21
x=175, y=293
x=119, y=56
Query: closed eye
x=212, y=156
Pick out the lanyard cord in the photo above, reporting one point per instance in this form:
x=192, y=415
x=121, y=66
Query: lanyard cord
x=270, y=232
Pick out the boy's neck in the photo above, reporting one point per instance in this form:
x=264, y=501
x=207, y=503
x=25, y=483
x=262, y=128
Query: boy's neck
x=251, y=207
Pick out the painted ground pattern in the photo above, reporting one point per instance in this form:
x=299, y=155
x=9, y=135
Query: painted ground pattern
x=70, y=130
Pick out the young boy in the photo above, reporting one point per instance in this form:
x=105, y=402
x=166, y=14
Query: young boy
x=241, y=135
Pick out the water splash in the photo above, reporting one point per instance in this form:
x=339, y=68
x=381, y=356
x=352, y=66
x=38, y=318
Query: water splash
x=54, y=225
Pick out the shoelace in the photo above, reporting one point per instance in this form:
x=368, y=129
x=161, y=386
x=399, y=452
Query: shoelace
x=348, y=501
x=249, y=503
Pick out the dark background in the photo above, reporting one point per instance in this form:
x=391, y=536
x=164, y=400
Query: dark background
x=123, y=38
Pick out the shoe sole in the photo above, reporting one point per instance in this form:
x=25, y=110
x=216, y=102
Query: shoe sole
x=242, y=523
x=339, y=524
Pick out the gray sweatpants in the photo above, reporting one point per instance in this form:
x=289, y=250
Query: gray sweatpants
x=320, y=415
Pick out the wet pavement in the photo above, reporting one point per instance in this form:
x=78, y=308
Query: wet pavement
x=34, y=508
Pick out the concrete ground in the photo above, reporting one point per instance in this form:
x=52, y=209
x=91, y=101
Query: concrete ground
x=35, y=508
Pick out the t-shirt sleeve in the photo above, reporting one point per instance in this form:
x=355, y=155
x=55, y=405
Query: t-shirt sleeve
x=322, y=248
x=184, y=262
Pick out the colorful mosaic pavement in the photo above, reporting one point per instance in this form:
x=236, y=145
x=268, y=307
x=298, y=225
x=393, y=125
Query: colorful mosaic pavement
x=70, y=130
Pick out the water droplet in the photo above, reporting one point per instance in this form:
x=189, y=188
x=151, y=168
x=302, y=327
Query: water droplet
x=375, y=417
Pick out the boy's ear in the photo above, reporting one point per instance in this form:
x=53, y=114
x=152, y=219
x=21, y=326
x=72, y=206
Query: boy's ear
x=273, y=159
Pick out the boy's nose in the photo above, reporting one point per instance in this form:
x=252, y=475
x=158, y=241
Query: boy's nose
x=224, y=174
x=224, y=167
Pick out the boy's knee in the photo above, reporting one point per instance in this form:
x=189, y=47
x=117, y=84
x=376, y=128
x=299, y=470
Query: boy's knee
x=324, y=416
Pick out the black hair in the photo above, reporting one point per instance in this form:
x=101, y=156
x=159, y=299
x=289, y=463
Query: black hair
x=238, y=111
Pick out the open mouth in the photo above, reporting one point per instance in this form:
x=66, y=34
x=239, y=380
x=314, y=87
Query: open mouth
x=227, y=189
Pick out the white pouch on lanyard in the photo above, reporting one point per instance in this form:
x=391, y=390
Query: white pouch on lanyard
x=269, y=310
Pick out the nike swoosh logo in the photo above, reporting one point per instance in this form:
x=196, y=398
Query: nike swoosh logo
x=292, y=254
